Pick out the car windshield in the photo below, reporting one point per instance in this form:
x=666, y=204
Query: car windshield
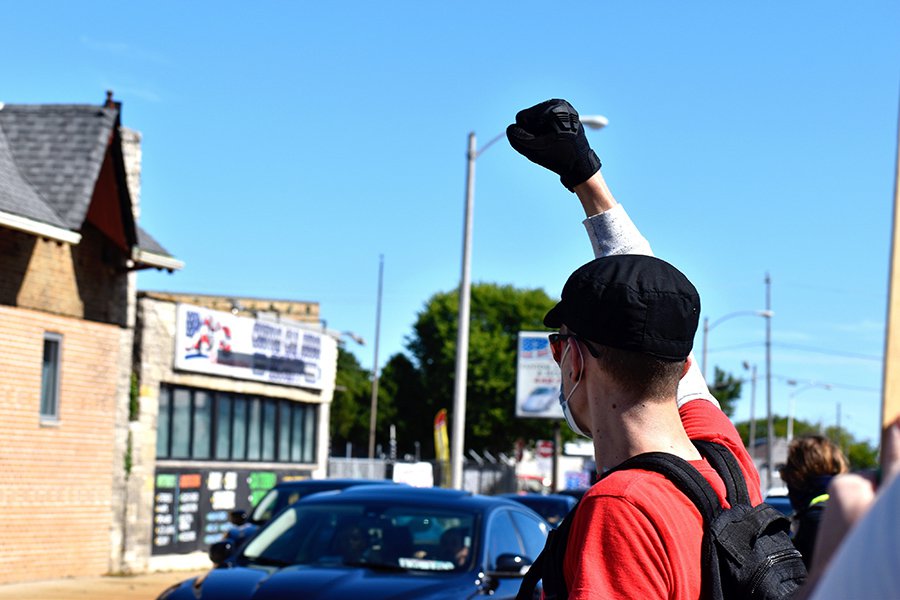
x=370, y=535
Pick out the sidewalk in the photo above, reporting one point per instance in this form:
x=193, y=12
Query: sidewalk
x=134, y=587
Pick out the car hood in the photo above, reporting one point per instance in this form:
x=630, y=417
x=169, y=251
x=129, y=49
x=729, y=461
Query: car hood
x=314, y=583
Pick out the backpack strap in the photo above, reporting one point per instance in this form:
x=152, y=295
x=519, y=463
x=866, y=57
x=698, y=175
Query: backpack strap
x=726, y=465
x=681, y=473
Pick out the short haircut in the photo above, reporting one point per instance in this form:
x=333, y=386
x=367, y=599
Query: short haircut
x=641, y=375
x=809, y=457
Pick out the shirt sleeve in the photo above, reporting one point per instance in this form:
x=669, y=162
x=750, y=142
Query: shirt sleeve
x=627, y=561
x=703, y=421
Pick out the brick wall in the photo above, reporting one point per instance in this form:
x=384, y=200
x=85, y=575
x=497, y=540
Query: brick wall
x=56, y=480
x=87, y=280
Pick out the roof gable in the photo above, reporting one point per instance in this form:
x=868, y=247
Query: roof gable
x=59, y=150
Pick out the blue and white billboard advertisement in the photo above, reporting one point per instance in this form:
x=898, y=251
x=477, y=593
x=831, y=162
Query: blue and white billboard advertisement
x=219, y=343
x=537, y=377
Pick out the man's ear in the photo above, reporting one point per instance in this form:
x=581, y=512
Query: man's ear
x=577, y=361
x=687, y=365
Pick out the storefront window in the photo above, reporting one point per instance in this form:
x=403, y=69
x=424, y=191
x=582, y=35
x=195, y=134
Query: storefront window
x=268, y=435
x=284, y=431
x=254, y=429
x=297, y=438
x=223, y=426
x=239, y=430
x=181, y=423
x=163, y=421
x=203, y=425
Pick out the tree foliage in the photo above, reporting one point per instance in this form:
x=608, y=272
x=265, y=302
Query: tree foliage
x=350, y=408
x=419, y=385
x=861, y=454
x=726, y=389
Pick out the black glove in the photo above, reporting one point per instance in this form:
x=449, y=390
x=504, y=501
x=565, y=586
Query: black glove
x=551, y=135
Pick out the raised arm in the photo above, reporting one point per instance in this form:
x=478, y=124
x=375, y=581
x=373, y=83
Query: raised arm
x=551, y=135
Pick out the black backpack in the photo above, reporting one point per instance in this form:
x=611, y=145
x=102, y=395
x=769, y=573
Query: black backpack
x=747, y=551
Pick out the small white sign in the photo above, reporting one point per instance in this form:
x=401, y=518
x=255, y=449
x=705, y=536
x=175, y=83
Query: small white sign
x=420, y=474
x=537, y=377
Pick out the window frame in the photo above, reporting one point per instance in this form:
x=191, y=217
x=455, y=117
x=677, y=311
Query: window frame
x=51, y=417
x=301, y=427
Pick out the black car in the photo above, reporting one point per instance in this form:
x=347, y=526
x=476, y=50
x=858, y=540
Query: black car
x=282, y=495
x=379, y=543
x=553, y=507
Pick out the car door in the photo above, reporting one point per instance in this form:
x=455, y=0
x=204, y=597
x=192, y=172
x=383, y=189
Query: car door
x=513, y=532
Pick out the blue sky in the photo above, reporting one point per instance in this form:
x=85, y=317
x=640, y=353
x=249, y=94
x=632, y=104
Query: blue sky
x=288, y=145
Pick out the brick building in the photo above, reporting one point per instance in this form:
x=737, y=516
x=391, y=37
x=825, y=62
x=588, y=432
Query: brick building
x=69, y=248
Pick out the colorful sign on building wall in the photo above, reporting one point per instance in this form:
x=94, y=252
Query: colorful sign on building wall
x=219, y=343
x=191, y=506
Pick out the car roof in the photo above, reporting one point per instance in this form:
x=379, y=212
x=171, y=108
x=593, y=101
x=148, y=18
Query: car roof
x=541, y=498
x=328, y=484
x=437, y=497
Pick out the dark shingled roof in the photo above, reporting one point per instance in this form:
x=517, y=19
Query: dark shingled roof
x=59, y=149
x=19, y=197
x=148, y=244
x=50, y=159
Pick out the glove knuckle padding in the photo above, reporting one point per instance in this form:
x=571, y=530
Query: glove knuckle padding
x=551, y=135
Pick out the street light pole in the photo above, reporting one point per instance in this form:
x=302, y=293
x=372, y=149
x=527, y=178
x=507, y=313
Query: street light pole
x=374, y=406
x=770, y=427
x=458, y=428
x=752, y=437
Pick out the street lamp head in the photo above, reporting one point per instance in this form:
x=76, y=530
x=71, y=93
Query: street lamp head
x=766, y=313
x=594, y=121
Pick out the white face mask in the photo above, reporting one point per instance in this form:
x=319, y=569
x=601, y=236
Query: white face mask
x=564, y=400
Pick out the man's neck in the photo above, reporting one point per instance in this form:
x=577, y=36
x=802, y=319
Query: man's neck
x=631, y=428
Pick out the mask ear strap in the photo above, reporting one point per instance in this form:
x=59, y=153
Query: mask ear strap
x=581, y=362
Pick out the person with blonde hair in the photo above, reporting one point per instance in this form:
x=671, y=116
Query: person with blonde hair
x=812, y=462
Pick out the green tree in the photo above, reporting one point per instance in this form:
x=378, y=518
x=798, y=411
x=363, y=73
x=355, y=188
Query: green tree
x=424, y=383
x=860, y=453
x=726, y=389
x=350, y=408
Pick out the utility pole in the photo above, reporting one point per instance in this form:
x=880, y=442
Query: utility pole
x=374, y=407
x=770, y=441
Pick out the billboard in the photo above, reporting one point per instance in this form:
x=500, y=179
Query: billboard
x=219, y=343
x=537, y=377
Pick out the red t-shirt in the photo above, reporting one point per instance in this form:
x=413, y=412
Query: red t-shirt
x=635, y=535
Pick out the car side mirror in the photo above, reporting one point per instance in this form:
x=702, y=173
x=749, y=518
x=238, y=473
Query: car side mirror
x=219, y=552
x=238, y=517
x=511, y=565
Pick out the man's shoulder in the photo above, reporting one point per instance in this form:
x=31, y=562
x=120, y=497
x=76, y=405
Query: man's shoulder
x=636, y=486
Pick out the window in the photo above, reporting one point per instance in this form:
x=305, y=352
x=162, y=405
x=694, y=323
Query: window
x=50, y=377
x=202, y=425
x=223, y=426
x=502, y=538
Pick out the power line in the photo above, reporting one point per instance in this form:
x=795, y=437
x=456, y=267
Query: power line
x=842, y=353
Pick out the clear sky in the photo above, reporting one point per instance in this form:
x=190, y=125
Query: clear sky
x=288, y=144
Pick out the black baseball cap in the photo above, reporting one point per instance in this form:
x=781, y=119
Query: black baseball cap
x=632, y=302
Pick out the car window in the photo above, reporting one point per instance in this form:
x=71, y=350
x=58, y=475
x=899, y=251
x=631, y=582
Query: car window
x=533, y=532
x=408, y=537
x=502, y=538
x=266, y=507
